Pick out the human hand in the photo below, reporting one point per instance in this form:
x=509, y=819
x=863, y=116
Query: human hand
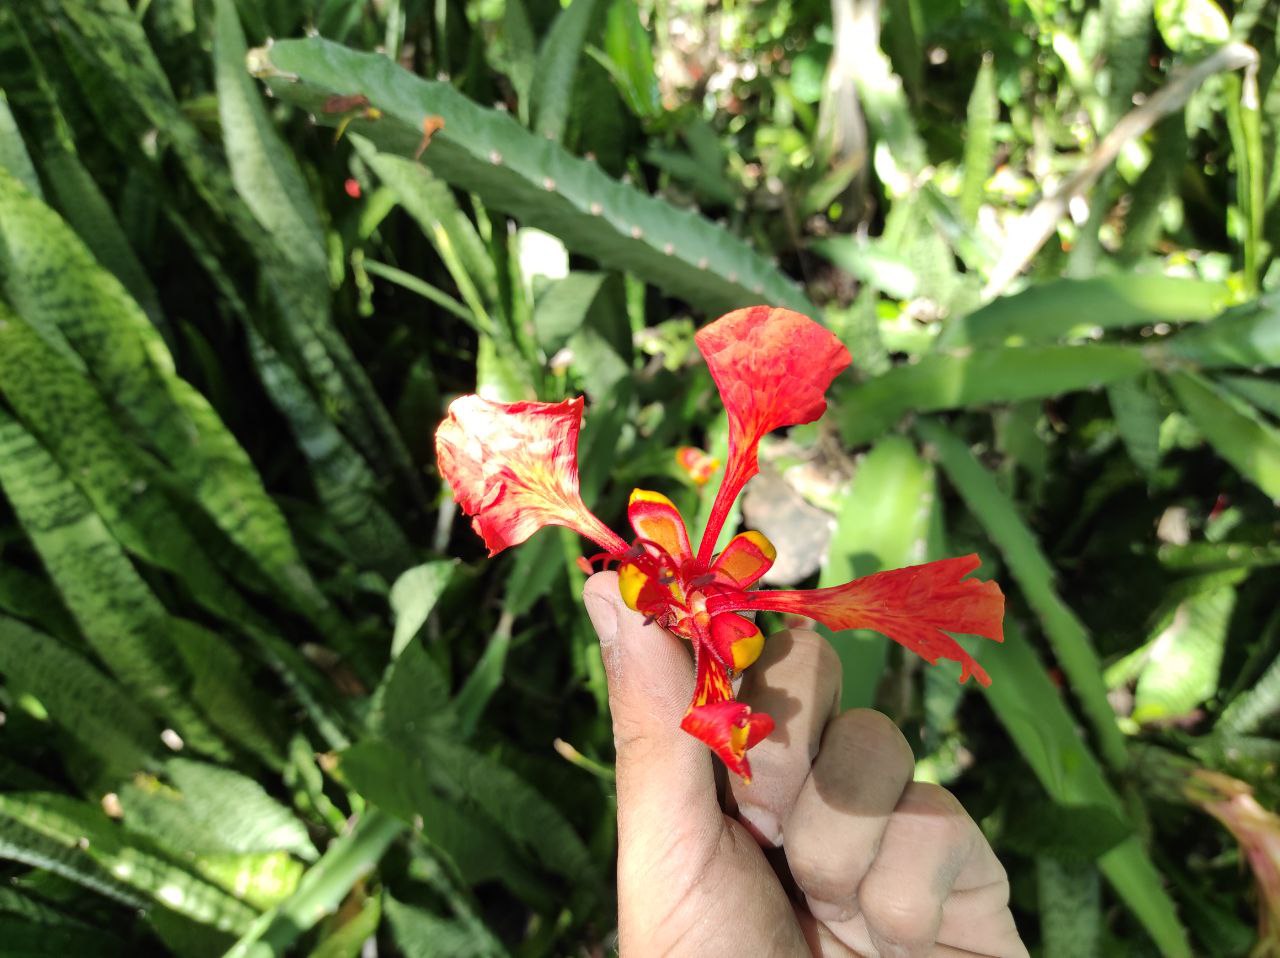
x=832, y=850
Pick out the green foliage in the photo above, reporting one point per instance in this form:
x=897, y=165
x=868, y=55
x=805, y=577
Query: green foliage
x=263, y=694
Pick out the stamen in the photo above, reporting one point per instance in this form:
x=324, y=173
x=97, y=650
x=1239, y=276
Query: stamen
x=702, y=581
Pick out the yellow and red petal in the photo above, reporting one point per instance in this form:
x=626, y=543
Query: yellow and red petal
x=654, y=517
x=744, y=560
x=513, y=467
x=735, y=640
x=730, y=729
x=697, y=465
x=641, y=592
x=916, y=607
x=772, y=367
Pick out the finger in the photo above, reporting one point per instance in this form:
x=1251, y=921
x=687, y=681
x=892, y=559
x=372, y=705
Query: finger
x=797, y=681
x=666, y=789
x=976, y=916
x=928, y=841
x=821, y=941
x=835, y=827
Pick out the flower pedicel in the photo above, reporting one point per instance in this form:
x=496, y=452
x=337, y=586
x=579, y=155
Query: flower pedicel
x=513, y=468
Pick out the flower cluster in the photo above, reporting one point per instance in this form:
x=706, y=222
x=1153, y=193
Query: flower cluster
x=513, y=468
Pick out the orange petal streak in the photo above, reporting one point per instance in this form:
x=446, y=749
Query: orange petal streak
x=729, y=728
x=773, y=367
x=916, y=606
x=514, y=469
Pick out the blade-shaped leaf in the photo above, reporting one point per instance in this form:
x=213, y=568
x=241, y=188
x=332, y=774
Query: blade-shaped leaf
x=83, y=826
x=91, y=707
x=1233, y=428
x=969, y=377
x=1035, y=576
x=1063, y=307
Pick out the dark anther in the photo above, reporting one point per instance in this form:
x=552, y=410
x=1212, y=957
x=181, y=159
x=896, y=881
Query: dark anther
x=666, y=579
x=702, y=581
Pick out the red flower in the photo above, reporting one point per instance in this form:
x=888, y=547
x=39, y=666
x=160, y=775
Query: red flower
x=514, y=469
x=696, y=464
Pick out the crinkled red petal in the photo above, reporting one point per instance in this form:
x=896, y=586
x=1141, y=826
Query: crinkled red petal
x=916, y=606
x=773, y=367
x=513, y=467
x=728, y=727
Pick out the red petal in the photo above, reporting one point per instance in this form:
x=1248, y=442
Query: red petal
x=773, y=367
x=730, y=729
x=514, y=468
x=916, y=606
x=714, y=718
x=655, y=518
x=697, y=465
x=744, y=560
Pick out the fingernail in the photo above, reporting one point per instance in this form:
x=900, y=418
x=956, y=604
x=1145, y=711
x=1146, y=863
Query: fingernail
x=762, y=822
x=827, y=911
x=604, y=617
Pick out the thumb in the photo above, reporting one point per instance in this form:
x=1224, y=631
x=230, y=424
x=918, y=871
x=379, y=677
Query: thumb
x=664, y=775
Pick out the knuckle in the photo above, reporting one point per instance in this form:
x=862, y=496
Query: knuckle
x=938, y=816
x=872, y=736
x=895, y=911
x=820, y=878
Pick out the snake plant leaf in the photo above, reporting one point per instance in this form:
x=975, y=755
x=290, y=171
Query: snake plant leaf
x=125, y=856
x=534, y=179
x=66, y=860
x=212, y=809
x=119, y=615
x=91, y=707
x=84, y=313
x=13, y=150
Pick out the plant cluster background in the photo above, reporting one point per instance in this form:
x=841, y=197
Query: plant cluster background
x=261, y=692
